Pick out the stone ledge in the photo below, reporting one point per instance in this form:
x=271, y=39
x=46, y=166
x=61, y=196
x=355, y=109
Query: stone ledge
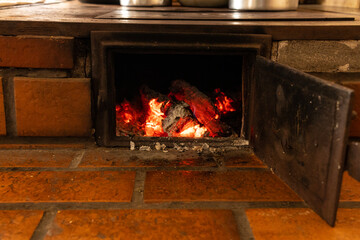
x=319, y=56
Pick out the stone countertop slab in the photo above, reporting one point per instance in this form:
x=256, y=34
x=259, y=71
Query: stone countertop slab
x=76, y=19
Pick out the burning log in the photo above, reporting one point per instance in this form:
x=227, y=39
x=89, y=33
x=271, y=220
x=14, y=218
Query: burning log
x=180, y=121
x=128, y=121
x=202, y=107
x=189, y=127
x=176, y=111
x=147, y=94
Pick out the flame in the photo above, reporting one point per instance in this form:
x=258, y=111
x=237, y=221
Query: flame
x=223, y=103
x=153, y=124
x=192, y=129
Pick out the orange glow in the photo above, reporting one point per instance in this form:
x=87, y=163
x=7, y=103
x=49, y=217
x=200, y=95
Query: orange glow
x=125, y=113
x=187, y=162
x=153, y=124
x=192, y=129
x=223, y=103
x=133, y=119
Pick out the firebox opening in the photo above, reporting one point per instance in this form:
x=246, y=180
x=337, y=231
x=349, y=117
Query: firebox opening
x=178, y=95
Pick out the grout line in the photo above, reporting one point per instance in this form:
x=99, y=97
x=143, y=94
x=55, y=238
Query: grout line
x=142, y=205
x=349, y=204
x=138, y=193
x=44, y=225
x=88, y=169
x=77, y=159
x=243, y=225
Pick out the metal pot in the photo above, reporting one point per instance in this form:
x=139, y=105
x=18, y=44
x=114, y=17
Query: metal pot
x=146, y=3
x=264, y=5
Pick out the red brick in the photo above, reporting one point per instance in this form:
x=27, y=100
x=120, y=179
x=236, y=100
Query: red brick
x=350, y=189
x=18, y=224
x=36, y=52
x=165, y=186
x=66, y=186
x=36, y=158
x=302, y=224
x=355, y=123
x=125, y=158
x=2, y=111
x=143, y=224
x=52, y=107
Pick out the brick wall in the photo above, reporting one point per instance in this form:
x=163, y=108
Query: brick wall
x=46, y=86
x=46, y=90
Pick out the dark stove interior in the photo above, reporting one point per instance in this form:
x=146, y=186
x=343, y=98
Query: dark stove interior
x=202, y=91
x=174, y=66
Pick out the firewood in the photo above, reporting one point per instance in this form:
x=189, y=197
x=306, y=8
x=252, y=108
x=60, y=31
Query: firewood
x=202, y=107
x=176, y=111
x=148, y=94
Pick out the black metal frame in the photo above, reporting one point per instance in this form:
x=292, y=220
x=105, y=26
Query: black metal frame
x=105, y=44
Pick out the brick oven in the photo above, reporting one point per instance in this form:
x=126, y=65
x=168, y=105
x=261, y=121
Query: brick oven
x=72, y=73
x=290, y=118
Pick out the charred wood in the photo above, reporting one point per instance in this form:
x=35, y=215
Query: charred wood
x=202, y=107
x=177, y=112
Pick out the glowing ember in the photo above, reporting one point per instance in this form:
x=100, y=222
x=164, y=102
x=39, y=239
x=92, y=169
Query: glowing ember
x=191, y=114
x=125, y=113
x=192, y=131
x=223, y=103
x=153, y=126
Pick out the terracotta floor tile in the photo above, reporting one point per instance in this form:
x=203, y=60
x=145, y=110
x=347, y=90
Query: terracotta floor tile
x=126, y=158
x=163, y=186
x=63, y=186
x=36, y=158
x=18, y=224
x=350, y=189
x=245, y=159
x=143, y=225
x=302, y=224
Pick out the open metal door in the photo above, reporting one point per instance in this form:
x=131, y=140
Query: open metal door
x=299, y=129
